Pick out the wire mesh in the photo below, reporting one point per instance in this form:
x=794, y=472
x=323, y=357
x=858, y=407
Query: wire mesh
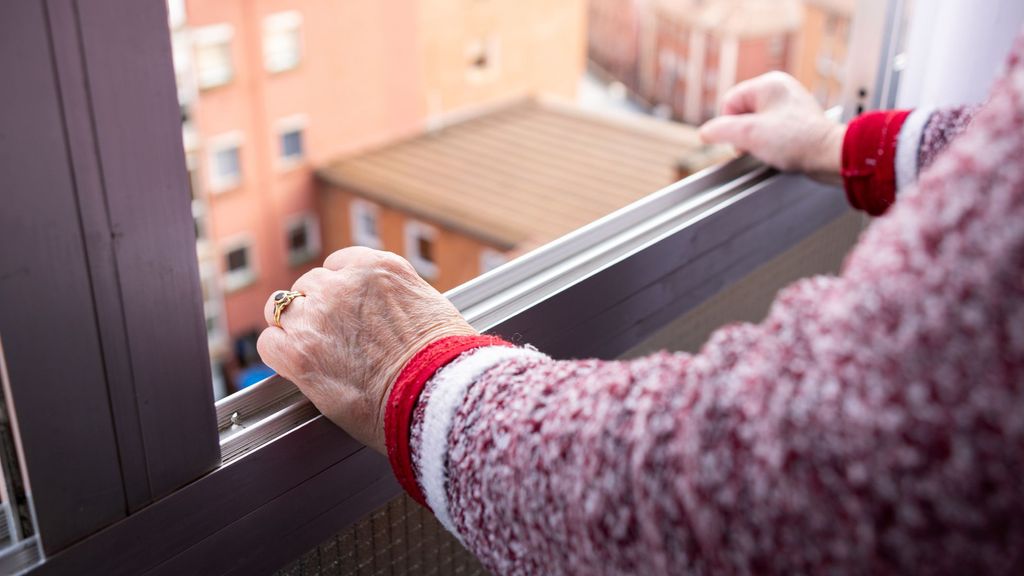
x=400, y=538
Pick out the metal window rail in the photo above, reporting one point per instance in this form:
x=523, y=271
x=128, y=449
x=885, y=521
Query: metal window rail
x=269, y=408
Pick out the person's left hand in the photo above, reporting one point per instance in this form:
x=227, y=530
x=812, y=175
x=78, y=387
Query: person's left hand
x=364, y=315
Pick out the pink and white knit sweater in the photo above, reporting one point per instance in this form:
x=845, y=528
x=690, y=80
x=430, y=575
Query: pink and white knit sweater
x=872, y=424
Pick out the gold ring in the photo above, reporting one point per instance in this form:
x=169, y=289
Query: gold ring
x=282, y=298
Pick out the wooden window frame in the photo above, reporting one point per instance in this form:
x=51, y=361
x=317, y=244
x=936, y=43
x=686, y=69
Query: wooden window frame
x=106, y=346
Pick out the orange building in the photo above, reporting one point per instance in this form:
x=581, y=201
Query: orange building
x=461, y=201
x=822, y=47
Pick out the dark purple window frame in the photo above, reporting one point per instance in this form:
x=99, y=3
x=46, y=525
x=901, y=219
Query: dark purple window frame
x=104, y=333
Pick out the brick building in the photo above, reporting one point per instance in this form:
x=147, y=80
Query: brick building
x=462, y=200
x=822, y=47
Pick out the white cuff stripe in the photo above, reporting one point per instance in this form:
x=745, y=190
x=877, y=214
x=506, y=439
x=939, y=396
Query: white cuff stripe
x=446, y=396
x=907, y=144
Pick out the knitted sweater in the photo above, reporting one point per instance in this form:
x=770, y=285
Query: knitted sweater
x=873, y=423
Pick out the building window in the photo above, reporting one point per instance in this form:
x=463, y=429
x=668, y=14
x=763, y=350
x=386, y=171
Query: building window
x=213, y=55
x=225, y=161
x=238, y=264
x=303, y=237
x=483, y=60
x=365, y=224
x=777, y=46
x=282, y=41
x=421, y=248
x=491, y=259
x=291, y=140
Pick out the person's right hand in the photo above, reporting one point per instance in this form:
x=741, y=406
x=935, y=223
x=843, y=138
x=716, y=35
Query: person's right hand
x=774, y=118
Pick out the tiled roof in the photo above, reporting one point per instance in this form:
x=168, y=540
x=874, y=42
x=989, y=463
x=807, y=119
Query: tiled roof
x=523, y=174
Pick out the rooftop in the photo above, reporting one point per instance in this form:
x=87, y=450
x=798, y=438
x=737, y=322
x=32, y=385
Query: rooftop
x=522, y=174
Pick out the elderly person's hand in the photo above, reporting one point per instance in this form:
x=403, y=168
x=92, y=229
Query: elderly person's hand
x=364, y=315
x=774, y=118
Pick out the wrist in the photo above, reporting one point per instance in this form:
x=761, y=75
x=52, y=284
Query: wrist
x=826, y=160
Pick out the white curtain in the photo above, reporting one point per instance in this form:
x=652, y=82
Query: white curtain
x=955, y=48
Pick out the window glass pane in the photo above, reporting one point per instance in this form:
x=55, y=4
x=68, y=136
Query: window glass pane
x=282, y=42
x=228, y=165
x=291, y=144
x=458, y=147
x=238, y=259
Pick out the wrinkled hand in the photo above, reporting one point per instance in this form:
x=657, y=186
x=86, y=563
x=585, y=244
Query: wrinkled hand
x=365, y=314
x=774, y=118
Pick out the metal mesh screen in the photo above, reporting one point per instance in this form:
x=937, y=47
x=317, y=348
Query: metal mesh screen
x=748, y=299
x=400, y=538
x=403, y=538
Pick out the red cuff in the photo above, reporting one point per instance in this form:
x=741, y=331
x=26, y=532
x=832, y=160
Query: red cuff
x=405, y=395
x=869, y=160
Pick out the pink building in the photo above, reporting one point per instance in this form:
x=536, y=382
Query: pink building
x=270, y=88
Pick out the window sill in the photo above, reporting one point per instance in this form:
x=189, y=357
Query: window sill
x=235, y=283
x=300, y=258
x=225, y=186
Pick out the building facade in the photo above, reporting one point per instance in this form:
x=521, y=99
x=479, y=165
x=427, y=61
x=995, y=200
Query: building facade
x=269, y=89
x=679, y=57
x=822, y=48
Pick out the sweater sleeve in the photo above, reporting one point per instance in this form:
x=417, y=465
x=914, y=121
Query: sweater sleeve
x=872, y=424
x=884, y=152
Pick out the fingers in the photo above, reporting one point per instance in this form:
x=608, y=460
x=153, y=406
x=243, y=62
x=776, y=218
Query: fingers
x=272, y=348
x=347, y=257
x=756, y=94
x=735, y=130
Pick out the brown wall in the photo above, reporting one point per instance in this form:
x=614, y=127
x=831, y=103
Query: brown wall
x=458, y=256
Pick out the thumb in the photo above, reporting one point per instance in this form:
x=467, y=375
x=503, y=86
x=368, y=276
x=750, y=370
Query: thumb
x=735, y=130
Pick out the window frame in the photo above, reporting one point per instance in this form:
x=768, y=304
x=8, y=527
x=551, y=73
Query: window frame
x=313, y=249
x=235, y=280
x=413, y=232
x=359, y=208
x=591, y=293
x=216, y=182
x=295, y=123
x=285, y=22
x=214, y=35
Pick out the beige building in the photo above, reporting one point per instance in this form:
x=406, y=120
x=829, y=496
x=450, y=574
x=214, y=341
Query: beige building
x=463, y=200
x=475, y=52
